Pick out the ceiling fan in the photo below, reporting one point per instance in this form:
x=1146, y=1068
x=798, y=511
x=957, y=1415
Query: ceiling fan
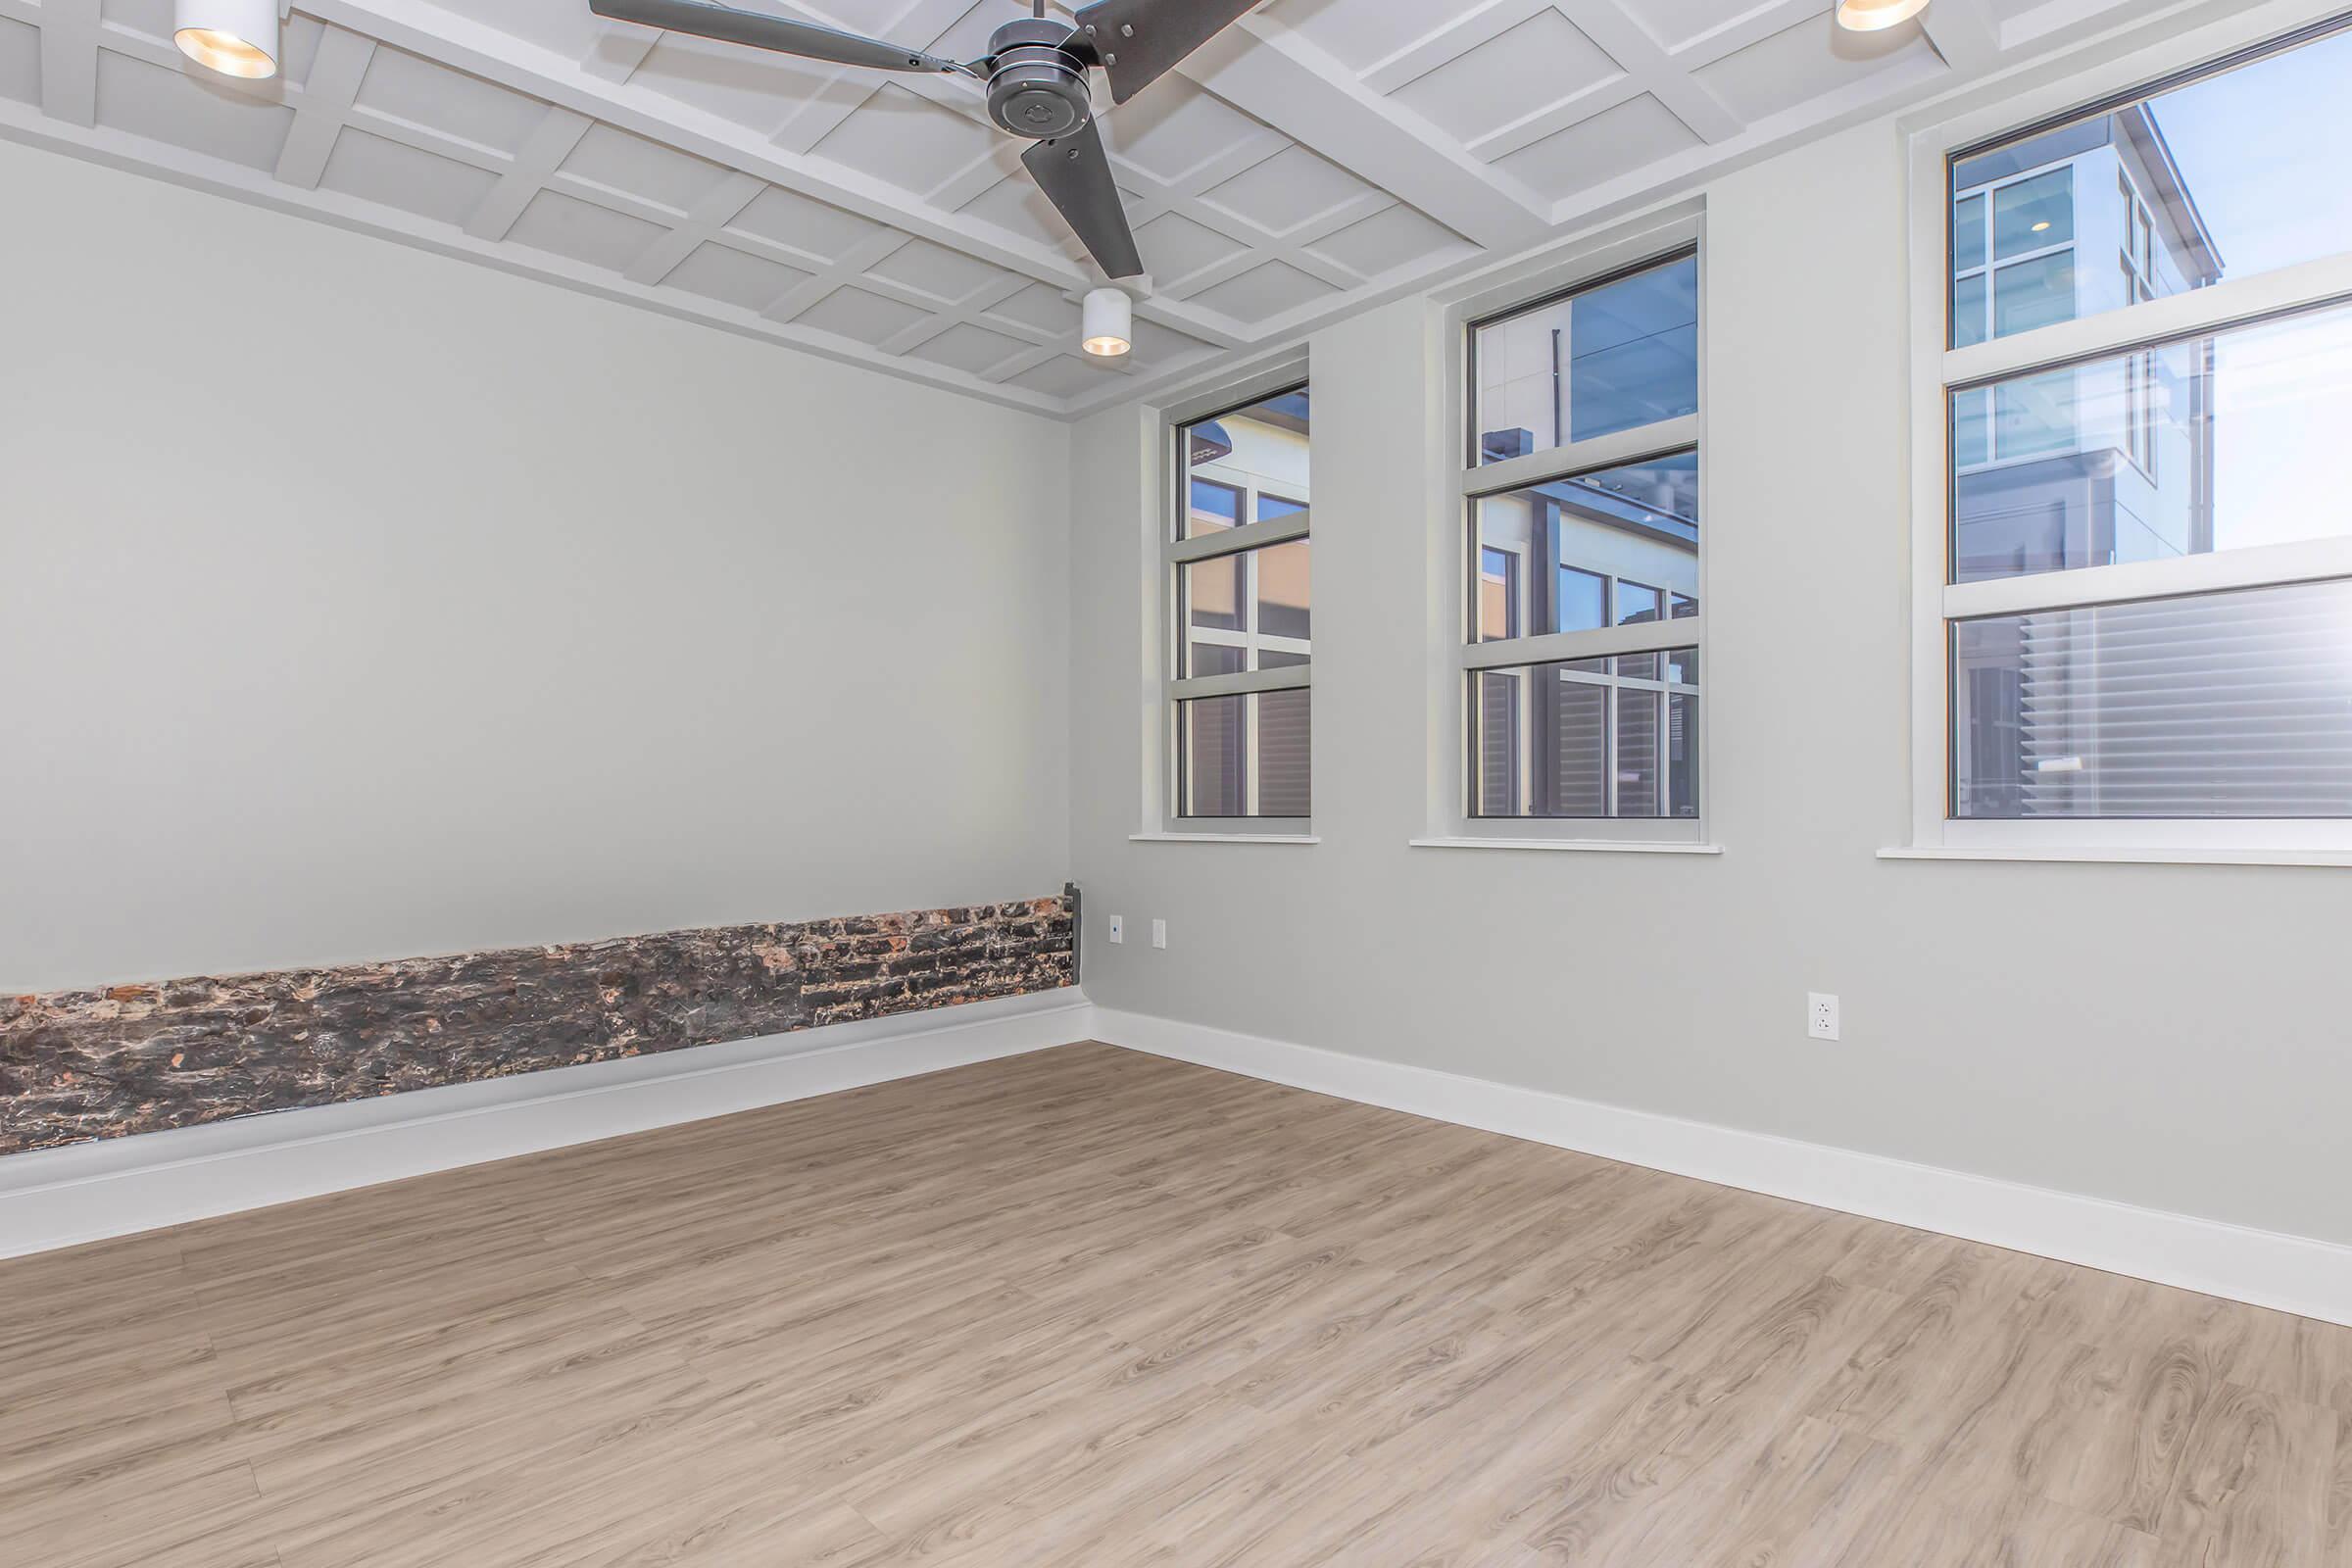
x=1036, y=74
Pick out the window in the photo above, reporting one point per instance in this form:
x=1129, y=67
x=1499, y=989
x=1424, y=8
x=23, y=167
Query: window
x=1240, y=576
x=2136, y=624
x=1580, y=659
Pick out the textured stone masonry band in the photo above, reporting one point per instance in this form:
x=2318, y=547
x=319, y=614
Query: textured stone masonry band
x=134, y=1058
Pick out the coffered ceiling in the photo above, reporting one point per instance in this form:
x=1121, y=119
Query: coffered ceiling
x=1318, y=155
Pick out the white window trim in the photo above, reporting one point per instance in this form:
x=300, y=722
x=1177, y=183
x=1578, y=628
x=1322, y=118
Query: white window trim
x=1935, y=368
x=1162, y=822
x=1451, y=823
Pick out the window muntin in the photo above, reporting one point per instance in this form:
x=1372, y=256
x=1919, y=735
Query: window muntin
x=2145, y=590
x=1240, y=577
x=1582, y=561
x=1606, y=358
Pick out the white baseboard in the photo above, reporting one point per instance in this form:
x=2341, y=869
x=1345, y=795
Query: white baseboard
x=2291, y=1273
x=114, y=1187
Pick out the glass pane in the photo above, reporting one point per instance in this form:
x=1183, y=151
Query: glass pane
x=2237, y=172
x=1638, y=524
x=2218, y=443
x=1214, y=506
x=1271, y=507
x=1282, y=591
x=1608, y=359
x=1968, y=233
x=1638, y=726
x=1497, y=595
x=1968, y=311
x=1972, y=431
x=1637, y=603
x=2036, y=293
x=1242, y=609
x=1285, y=741
x=2234, y=704
x=1254, y=456
x=2031, y=215
x=1583, y=738
x=1249, y=755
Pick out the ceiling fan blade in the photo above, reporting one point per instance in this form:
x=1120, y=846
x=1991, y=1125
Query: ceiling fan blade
x=764, y=31
x=1074, y=173
x=1138, y=40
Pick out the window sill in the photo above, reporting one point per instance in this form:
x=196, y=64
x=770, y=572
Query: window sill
x=1599, y=845
x=1224, y=838
x=2132, y=857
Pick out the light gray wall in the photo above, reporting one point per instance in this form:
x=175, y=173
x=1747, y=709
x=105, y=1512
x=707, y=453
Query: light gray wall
x=2169, y=1036
x=359, y=603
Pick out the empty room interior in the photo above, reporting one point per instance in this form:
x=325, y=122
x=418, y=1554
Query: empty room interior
x=1175, y=783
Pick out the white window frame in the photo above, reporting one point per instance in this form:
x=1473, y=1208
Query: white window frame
x=1176, y=553
x=1453, y=825
x=1937, y=369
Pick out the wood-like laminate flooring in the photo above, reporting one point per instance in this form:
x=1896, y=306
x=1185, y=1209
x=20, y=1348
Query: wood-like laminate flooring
x=1087, y=1308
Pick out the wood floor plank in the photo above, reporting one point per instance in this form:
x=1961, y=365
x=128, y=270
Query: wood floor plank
x=1084, y=1308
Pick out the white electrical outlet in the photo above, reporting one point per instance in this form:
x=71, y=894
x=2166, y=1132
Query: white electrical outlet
x=1119, y=928
x=1159, y=933
x=1820, y=1015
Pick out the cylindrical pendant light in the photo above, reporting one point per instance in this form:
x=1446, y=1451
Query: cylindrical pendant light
x=1108, y=323
x=1870, y=15
x=235, y=37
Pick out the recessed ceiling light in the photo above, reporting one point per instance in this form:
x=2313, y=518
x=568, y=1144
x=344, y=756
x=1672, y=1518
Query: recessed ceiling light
x=235, y=37
x=1107, y=325
x=2039, y=227
x=1870, y=15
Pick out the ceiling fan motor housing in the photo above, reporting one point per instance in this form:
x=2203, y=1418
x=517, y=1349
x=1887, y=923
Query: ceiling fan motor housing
x=1038, y=87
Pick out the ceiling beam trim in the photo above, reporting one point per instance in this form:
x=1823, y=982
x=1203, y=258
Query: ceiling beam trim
x=1645, y=60
x=1266, y=70
x=69, y=60
x=324, y=106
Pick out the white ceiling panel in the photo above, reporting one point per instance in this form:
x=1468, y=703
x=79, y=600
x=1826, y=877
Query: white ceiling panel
x=1394, y=237
x=1363, y=32
x=617, y=161
x=423, y=93
x=1267, y=290
x=1039, y=307
x=1174, y=247
x=1320, y=151
x=852, y=313
x=1612, y=143
x=1804, y=63
x=1541, y=61
x=721, y=272
x=934, y=269
x=565, y=225
x=19, y=61
x=1065, y=376
x=1288, y=189
x=163, y=104
x=803, y=223
x=969, y=348
x=749, y=86
x=376, y=169
x=909, y=142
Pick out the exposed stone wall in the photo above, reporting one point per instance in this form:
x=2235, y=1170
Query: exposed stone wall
x=80, y=1064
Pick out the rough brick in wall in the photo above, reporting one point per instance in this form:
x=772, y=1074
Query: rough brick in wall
x=81, y=1064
